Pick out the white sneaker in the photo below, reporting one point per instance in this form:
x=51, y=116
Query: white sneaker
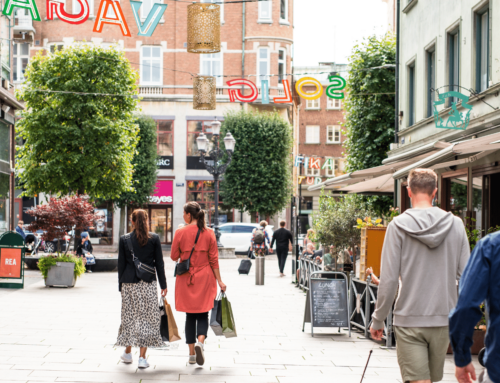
x=143, y=363
x=192, y=359
x=126, y=358
x=200, y=354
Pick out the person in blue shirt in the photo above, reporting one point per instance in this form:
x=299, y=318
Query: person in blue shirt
x=479, y=282
x=19, y=229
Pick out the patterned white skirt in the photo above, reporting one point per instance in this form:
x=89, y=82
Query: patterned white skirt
x=141, y=318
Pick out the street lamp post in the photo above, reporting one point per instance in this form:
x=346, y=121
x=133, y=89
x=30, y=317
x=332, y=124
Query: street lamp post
x=212, y=161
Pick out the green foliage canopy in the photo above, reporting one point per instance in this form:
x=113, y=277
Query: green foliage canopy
x=259, y=177
x=145, y=165
x=77, y=143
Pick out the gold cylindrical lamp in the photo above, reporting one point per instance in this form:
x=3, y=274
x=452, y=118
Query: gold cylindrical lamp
x=203, y=28
x=204, y=96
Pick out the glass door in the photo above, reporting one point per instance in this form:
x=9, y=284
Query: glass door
x=161, y=223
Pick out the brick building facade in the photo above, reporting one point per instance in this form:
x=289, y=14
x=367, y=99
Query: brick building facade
x=263, y=48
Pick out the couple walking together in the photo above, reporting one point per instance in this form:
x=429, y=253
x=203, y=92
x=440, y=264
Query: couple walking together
x=195, y=290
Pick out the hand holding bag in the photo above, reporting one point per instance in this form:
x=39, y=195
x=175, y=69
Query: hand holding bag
x=228, y=326
x=216, y=316
x=183, y=267
x=144, y=272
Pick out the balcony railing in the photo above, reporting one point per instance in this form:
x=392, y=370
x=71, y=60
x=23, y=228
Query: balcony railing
x=150, y=90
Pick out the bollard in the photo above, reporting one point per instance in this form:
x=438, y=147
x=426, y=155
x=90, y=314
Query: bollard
x=259, y=270
x=367, y=306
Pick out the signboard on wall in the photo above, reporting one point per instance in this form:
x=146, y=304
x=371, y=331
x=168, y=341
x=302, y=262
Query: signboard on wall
x=165, y=162
x=164, y=193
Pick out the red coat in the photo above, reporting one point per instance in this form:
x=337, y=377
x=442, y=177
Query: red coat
x=195, y=290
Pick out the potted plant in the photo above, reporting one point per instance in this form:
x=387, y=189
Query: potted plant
x=57, y=218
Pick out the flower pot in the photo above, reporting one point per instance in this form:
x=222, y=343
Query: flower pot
x=62, y=274
x=260, y=270
x=477, y=342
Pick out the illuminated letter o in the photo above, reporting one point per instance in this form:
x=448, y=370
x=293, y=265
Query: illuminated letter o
x=309, y=81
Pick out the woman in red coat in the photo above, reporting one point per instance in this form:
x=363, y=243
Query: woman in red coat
x=195, y=290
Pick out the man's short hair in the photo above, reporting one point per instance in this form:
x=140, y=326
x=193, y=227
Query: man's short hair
x=282, y=223
x=422, y=181
x=20, y=223
x=263, y=223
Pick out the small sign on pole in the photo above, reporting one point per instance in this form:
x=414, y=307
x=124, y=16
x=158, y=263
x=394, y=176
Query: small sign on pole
x=12, y=251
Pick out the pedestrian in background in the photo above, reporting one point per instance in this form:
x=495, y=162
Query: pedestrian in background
x=140, y=326
x=20, y=229
x=195, y=291
x=307, y=239
x=283, y=239
x=259, y=238
x=85, y=247
x=425, y=249
x=479, y=282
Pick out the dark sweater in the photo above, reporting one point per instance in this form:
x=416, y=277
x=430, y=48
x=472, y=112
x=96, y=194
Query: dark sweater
x=150, y=254
x=282, y=237
x=84, y=246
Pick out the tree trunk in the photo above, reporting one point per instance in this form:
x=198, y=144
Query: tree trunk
x=77, y=233
x=123, y=215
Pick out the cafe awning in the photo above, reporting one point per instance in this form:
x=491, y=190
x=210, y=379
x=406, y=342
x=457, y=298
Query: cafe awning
x=378, y=185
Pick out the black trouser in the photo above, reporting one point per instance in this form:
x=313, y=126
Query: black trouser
x=196, y=325
x=282, y=253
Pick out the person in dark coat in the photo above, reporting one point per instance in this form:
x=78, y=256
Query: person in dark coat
x=20, y=230
x=87, y=246
x=140, y=314
x=283, y=238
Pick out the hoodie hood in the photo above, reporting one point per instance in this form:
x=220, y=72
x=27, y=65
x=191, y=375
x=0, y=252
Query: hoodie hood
x=430, y=226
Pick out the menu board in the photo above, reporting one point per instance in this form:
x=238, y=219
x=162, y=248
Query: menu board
x=329, y=303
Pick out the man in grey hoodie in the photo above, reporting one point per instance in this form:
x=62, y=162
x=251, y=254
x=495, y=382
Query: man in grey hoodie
x=425, y=251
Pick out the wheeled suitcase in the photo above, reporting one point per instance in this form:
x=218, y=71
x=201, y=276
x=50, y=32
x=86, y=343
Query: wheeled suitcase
x=245, y=267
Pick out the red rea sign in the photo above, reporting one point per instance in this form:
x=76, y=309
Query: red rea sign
x=10, y=263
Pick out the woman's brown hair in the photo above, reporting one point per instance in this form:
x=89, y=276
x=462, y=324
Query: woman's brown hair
x=140, y=220
x=197, y=213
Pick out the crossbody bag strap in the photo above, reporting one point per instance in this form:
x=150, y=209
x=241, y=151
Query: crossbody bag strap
x=195, y=241
x=129, y=245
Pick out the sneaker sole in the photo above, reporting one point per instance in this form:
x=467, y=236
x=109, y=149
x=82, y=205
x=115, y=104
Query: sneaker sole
x=143, y=367
x=200, y=357
x=126, y=361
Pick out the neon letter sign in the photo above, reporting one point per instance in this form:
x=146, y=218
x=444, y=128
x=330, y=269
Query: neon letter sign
x=154, y=17
x=28, y=4
x=118, y=19
x=235, y=94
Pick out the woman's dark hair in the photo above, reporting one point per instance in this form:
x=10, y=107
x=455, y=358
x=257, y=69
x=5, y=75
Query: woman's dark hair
x=197, y=213
x=140, y=220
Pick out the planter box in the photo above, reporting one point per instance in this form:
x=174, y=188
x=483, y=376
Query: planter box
x=478, y=342
x=62, y=274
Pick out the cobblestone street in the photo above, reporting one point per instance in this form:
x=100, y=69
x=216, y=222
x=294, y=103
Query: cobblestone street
x=67, y=335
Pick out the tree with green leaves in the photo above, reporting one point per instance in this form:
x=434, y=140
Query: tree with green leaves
x=145, y=169
x=78, y=126
x=259, y=177
x=369, y=105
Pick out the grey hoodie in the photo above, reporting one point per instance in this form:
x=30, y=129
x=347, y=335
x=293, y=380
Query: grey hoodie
x=427, y=249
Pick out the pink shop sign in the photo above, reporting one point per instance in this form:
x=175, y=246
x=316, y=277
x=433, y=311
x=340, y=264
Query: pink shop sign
x=164, y=193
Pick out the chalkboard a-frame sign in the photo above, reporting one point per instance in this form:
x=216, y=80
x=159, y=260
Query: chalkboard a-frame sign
x=327, y=303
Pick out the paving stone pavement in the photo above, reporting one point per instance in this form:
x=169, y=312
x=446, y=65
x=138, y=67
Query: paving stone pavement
x=67, y=335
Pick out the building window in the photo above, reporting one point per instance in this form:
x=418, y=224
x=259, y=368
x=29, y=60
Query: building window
x=21, y=59
x=56, y=47
x=211, y=65
x=482, y=50
x=333, y=134
x=165, y=143
x=281, y=66
x=203, y=192
x=332, y=103
x=411, y=94
x=454, y=63
x=431, y=81
x=312, y=104
x=151, y=62
x=313, y=172
x=283, y=10
x=331, y=172
x=221, y=5
x=312, y=134
x=77, y=7
x=263, y=64
x=194, y=128
x=265, y=11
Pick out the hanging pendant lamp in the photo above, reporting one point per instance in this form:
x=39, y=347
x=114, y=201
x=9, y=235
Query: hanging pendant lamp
x=203, y=28
x=204, y=97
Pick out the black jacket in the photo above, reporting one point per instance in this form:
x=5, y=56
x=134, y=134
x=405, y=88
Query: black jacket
x=150, y=254
x=87, y=246
x=282, y=236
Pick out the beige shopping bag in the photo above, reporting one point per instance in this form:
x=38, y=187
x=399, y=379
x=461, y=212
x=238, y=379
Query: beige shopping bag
x=173, y=331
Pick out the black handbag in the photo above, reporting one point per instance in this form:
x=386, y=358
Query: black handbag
x=183, y=267
x=144, y=272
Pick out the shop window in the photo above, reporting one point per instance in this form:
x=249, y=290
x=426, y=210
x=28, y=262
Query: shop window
x=203, y=192
x=212, y=65
x=306, y=203
x=20, y=60
x=151, y=63
x=477, y=204
x=102, y=231
x=4, y=197
x=194, y=128
x=165, y=141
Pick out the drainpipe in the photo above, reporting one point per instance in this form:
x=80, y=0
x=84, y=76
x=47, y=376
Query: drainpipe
x=396, y=117
x=243, y=47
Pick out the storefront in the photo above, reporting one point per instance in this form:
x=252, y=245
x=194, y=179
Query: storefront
x=203, y=192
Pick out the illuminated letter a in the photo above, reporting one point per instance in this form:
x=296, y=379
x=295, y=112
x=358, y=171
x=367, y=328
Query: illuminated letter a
x=118, y=20
x=27, y=4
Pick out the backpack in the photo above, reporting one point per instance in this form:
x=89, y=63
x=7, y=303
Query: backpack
x=259, y=236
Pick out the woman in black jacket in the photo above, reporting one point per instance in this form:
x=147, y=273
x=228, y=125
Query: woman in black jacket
x=87, y=246
x=141, y=318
